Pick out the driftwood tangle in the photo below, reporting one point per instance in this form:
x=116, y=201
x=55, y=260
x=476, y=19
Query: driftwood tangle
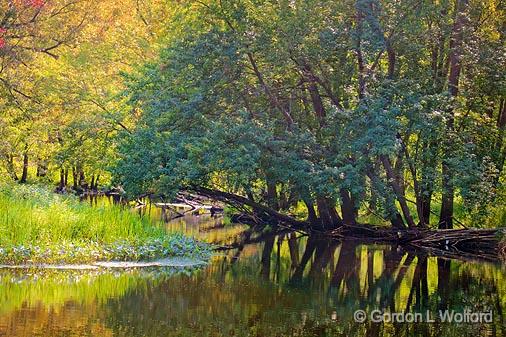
x=469, y=243
x=481, y=244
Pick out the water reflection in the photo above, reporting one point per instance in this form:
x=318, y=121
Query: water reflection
x=200, y=224
x=267, y=285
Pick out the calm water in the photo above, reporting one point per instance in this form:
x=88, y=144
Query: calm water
x=284, y=285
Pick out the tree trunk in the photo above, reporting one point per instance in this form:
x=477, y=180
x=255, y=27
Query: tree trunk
x=82, y=178
x=74, y=178
x=10, y=167
x=426, y=184
x=66, y=177
x=24, y=175
x=62, y=179
x=446, y=215
x=311, y=213
x=328, y=214
x=316, y=99
x=391, y=58
x=347, y=207
x=96, y=182
x=424, y=213
x=395, y=219
x=456, y=46
x=272, y=195
x=398, y=190
x=399, y=173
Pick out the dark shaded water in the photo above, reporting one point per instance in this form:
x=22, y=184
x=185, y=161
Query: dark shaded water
x=283, y=285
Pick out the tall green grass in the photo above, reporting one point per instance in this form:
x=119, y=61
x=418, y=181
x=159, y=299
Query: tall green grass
x=38, y=225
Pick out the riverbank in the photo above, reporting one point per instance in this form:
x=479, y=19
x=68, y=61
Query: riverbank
x=38, y=226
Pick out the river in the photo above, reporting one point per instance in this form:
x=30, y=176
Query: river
x=267, y=285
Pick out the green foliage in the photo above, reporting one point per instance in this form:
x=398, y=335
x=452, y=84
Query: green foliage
x=314, y=100
x=234, y=104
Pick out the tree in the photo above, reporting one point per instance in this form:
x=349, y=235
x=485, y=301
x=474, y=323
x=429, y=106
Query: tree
x=61, y=77
x=321, y=103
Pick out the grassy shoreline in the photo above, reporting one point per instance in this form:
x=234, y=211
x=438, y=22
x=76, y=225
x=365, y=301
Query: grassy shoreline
x=38, y=226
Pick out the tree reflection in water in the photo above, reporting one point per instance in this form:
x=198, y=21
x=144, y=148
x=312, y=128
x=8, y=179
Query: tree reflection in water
x=284, y=285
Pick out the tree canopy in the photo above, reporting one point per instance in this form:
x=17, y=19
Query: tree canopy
x=338, y=111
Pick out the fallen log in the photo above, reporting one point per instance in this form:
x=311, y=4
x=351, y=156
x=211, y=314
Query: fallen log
x=260, y=212
x=463, y=244
x=422, y=236
x=471, y=242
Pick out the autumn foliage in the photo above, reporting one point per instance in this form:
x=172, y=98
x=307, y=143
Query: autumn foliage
x=20, y=5
x=2, y=39
x=30, y=3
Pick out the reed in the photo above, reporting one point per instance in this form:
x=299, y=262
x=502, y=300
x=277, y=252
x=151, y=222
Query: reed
x=37, y=225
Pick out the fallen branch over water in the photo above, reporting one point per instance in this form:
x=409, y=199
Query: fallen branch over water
x=420, y=236
x=452, y=243
x=468, y=242
x=260, y=212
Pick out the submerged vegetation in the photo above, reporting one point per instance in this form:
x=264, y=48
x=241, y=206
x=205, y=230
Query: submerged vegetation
x=38, y=226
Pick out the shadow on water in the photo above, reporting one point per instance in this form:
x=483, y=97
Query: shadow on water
x=265, y=285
